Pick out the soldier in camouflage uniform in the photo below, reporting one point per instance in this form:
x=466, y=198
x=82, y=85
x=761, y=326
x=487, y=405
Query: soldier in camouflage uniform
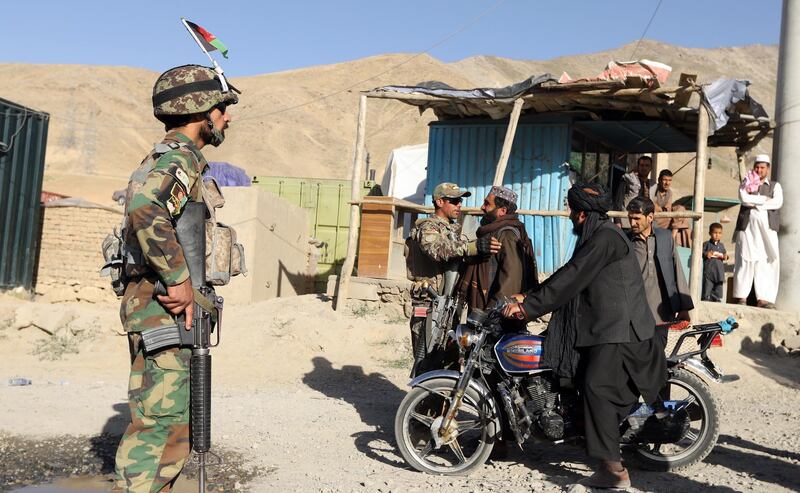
x=440, y=241
x=192, y=103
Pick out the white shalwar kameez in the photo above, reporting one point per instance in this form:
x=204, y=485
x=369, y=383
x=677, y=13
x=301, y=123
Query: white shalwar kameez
x=757, y=256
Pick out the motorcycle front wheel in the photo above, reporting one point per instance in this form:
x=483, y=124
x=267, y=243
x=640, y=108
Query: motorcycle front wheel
x=458, y=450
x=702, y=433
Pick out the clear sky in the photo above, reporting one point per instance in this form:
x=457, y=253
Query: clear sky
x=270, y=36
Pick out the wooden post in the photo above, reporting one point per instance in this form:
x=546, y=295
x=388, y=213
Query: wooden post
x=509, y=140
x=740, y=159
x=343, y=282
x=696, y=272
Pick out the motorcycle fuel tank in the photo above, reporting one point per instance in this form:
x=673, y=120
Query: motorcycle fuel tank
x=519, y=353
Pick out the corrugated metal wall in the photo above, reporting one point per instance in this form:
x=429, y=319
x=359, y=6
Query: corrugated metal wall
x=467, y=153
x=23, y=133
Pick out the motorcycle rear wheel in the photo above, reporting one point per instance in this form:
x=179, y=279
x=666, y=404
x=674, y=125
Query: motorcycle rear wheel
x=473, y=433
x=700, y=438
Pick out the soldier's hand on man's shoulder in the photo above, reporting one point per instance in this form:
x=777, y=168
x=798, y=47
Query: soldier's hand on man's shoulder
x=494, y=245
x=486, y=245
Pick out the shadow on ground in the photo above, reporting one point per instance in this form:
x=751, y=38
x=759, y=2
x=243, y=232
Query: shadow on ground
x=760, y=462
x=372, y=395
x=376, y=399
x=783, y=369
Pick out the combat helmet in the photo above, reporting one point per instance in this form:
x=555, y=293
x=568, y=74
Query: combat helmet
x=190, y=89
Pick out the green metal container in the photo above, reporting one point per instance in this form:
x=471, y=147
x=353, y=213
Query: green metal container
x=326, y=201
x=23, y=140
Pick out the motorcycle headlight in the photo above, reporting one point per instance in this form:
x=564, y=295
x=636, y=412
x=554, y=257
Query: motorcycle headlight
x=465, y=336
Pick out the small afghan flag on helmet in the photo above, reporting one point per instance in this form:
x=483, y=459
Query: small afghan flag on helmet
x=208, y=40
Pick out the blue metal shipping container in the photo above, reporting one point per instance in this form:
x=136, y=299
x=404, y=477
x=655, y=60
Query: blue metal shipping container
x=23, y=140
x=466, y=152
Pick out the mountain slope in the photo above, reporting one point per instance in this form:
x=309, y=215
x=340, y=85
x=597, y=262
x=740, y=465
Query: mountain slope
x=102, y=125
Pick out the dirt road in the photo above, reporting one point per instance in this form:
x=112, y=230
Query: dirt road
x=304, y=400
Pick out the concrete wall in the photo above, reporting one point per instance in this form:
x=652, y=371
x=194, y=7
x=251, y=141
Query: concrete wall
x=275, y=238
x=273, y=232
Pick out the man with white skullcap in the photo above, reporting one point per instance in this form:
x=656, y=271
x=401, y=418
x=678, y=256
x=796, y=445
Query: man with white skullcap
x=757, y=256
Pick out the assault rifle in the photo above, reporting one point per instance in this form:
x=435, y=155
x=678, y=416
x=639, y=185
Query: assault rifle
x=443, y=309
x=191, y=231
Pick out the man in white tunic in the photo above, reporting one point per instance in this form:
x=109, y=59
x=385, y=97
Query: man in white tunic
x=757, y=258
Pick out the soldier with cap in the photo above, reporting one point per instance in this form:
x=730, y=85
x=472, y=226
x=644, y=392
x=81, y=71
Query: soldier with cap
x=435, y=243
x=513, y=270
x=191, y=101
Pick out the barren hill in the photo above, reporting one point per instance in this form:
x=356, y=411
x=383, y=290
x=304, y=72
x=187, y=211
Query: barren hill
x=101, y=124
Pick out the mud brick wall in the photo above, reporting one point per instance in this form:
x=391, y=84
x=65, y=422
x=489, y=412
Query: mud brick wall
x=70, y=245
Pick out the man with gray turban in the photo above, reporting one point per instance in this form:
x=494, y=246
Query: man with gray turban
x=513, y=269
x=601, y=318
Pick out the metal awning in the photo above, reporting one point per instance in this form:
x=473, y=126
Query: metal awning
x=639, y=136
x=711, y=204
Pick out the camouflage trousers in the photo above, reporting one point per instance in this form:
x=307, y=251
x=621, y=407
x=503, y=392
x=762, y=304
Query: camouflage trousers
x=155, y=445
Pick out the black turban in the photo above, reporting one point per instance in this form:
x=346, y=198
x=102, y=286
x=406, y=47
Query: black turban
x=589, y=197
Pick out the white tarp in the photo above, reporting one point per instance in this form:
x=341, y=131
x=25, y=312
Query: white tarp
x=406, y=173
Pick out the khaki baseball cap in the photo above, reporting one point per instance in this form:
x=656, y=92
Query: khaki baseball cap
x=449, y=190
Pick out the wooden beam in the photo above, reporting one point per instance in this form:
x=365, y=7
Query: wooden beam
x=740, y=159
x=343, y=281
x=511, y=131
x=696, y=271
x=405, y=205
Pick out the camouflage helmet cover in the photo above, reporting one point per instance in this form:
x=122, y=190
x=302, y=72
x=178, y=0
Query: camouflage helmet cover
x=189, y=89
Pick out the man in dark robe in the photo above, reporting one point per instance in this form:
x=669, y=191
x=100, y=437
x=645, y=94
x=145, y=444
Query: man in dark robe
x=602, y=311
x=513, y=269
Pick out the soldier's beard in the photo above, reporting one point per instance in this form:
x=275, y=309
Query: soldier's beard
x=211, y=134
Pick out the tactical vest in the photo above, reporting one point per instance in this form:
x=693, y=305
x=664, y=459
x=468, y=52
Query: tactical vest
x=773, y=215
x=422, y=267
x=125, y=260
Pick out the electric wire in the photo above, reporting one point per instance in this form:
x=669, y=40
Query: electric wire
x=455, y=33
x=646, y=28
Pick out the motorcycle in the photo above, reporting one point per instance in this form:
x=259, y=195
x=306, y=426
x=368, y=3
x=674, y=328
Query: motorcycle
x=450, y=421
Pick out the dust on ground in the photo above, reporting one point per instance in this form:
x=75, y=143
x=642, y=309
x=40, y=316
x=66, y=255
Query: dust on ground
x=304, y=400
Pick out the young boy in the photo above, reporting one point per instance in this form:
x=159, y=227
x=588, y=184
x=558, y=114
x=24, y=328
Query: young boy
x=713, y=269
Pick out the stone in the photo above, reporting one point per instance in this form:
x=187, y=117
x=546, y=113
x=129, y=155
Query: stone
x=395, y=290
x=47, y=318
x=408, y=309
x=792, y=342
x=92, y=294
x=782, y=351
x=363, y=291
x=84, y=324
x=59, y=294
x=577, y=488
x=390, y=298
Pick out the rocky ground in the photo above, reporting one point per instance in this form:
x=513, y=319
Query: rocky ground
x=304, y=400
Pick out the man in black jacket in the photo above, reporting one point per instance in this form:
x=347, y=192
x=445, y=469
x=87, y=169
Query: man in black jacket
x=602, y=311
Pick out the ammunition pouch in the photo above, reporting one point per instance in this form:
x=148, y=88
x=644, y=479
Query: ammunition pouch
x=115, y=265
x=224, y=256
x=421, y=267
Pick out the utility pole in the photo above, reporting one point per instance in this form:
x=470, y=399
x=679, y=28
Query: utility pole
x=786, y=153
